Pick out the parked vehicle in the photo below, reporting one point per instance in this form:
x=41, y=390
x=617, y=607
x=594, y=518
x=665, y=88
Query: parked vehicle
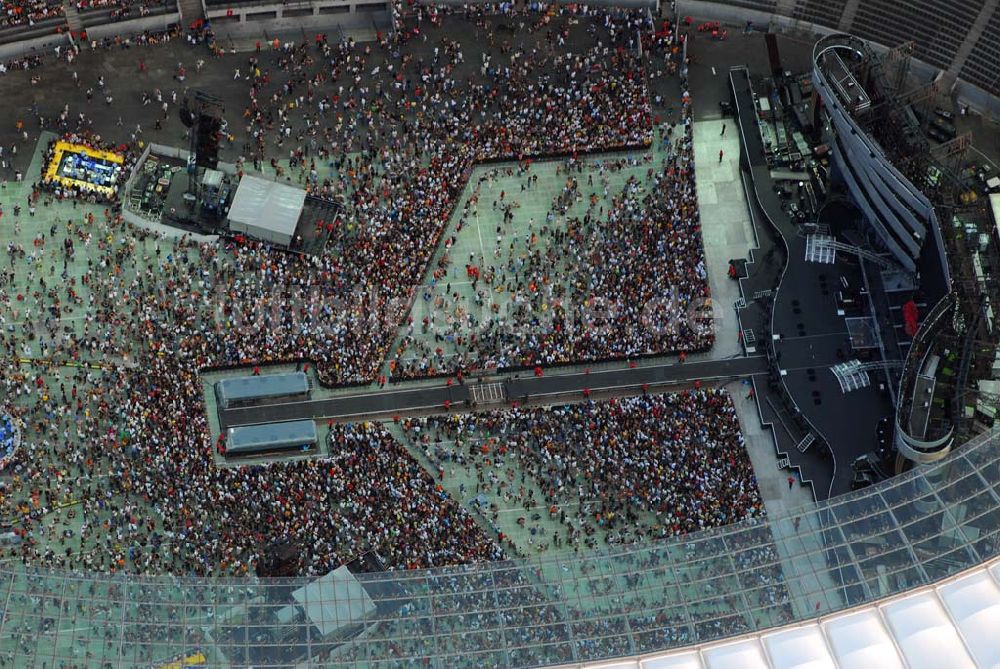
x=945, y=114
x=945, y=127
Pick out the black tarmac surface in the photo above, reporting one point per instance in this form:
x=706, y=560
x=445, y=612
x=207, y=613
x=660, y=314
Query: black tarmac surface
x=802, y=395
x=524, y=387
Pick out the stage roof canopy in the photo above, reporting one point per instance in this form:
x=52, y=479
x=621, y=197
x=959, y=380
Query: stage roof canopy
x=266, y=209
x=334, y=601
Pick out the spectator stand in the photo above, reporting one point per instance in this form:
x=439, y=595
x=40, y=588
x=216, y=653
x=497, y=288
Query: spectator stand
x=98, y=12
x=30, y=15
x=22, y=37
x=45, y=25
x=304, y=15
x=113, y=18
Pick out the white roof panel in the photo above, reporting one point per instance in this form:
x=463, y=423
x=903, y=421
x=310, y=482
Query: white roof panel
x=995, y=207
x=798, y=648
x=924, y=633
x=334, y=601
x=860, y=640
x=689, y=660
x=265, y=386
x=267, y=204
x=740, y=655
x=974, y=605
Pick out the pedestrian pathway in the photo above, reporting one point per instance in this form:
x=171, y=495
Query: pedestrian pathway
x=488, y=393
x=407, y=397
x=725, y=224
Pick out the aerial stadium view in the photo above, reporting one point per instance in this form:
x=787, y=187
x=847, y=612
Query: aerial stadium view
x=425, y=333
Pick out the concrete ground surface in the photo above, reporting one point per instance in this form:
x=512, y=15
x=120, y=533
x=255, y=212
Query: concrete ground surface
x=724, y=219
x=725, y=224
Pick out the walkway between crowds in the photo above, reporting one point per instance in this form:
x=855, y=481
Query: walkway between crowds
x=524, y=387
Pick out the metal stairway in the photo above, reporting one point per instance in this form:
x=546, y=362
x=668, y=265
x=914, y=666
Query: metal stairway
x=191, y=10
x=853, y=374
x=820, y=247
x=73, y=18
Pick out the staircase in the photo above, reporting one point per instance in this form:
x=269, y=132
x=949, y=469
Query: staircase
x=191, y=11
x=73, y=18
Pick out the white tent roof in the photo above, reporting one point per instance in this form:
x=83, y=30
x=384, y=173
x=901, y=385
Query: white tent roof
x=995, y=207
x=802, y=647
x=861, y=640
x=689, y=660
x=973, y=603
x=267, y=204
x=924, y=633
x=740, y=655
x=334, y=600
x=953, y=624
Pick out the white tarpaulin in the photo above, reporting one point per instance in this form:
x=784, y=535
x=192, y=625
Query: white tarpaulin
x=740, y=655
x=973, y=602
x=335, y=600
x=266, y=209
x=995, y=208
x=925, y=634
x=860, y=639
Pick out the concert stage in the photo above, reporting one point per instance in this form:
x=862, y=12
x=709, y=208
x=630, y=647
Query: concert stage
x=226, y=202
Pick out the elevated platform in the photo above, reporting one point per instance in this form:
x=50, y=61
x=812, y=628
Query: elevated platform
x=414, y=396
x=245, y=390
x=802, y=326
x=271, y=438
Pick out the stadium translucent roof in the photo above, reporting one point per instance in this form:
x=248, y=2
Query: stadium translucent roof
x=952, y=625
x=572, y=608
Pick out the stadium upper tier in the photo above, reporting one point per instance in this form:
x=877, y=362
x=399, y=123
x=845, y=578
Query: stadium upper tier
x=958, y=38
x=951, y=624
x=917, y=529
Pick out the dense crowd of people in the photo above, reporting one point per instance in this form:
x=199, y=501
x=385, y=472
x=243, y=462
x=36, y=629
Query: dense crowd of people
x=616, y=283
x=112, y=326
x=368, y=494
x=628, y=470
x=150, y=314
x=424, y=128
x=153, y=313
x=27, y=62
x=28, y=12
